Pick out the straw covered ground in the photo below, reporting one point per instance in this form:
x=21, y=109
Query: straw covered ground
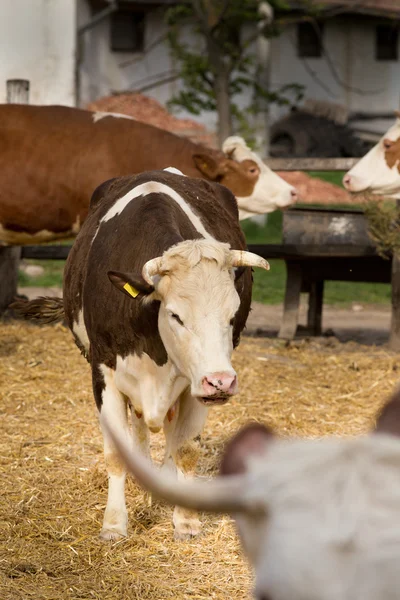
x=53, y=483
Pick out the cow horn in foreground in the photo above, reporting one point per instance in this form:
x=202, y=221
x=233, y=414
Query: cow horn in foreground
x=150, y=268
x=242, y=258
x=219, y=495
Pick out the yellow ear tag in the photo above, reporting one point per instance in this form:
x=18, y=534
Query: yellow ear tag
x=131, y=290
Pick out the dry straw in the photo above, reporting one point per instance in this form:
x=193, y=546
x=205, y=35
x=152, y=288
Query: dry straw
x=53, y=483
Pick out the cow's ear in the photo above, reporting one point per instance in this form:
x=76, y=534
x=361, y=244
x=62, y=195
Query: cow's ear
x=209, y=166
x=131, y=284
x=252, y=440
x=388, y=420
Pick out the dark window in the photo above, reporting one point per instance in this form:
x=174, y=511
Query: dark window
x=386, y=42
x=309, y=39
x=127, y=31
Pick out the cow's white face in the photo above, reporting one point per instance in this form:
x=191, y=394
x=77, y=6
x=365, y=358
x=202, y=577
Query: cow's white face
x=198, y=305
x=194, y=283
x=269, y=192
x=378, y=172
x=257, y=189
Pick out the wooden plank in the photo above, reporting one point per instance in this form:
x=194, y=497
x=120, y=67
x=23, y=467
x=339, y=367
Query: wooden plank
x=373, y=269
x=325, y=227
x=46, y=252
x=9, y=261
x=315, y=304
x=394, y=339
x=279, y=251
x=305, y=251
x=311, y=164
x=291, y=303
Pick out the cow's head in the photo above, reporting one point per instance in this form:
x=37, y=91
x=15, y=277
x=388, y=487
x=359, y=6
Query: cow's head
x=378, y=172
x=301, y=506
x=195, y=284
x=258, y=190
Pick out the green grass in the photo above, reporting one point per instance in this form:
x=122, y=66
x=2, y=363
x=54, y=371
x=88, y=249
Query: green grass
x=52, y=276
x=334, y=177
x=269, y=287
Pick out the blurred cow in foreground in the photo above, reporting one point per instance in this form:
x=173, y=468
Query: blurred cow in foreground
x=319, y=520
x=378, y=172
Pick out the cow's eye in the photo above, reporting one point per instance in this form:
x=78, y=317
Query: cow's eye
x=387, y=144
x=177, y=318
x=253, y=170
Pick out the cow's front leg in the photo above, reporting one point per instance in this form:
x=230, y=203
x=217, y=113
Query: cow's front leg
x=113, y=409
x=181, y=454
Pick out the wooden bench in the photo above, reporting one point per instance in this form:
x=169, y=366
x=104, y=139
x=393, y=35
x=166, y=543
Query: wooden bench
x=320, y=245
x=309, y=266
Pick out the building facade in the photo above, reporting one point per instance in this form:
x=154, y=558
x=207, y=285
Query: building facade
x=75, y=51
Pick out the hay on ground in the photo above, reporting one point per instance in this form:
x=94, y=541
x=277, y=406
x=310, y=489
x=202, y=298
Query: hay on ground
x=54, y=484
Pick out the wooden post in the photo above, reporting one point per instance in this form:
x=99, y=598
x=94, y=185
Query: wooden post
x=17, y=93
x=294, y=280
x=394, y=340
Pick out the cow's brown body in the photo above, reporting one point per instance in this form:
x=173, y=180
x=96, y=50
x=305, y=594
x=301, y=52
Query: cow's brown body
x=54, y=157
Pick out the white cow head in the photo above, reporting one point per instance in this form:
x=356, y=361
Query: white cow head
x=258, y=190
x=378, y=172
x=317, y=518
x=195, y=284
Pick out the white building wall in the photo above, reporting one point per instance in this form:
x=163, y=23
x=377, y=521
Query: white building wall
x=37, y=42
x=351, y=76
x=103, y=71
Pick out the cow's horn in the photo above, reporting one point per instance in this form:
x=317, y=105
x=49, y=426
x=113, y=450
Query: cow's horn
x=220, y=495
x=150, y=268
x=242, y=258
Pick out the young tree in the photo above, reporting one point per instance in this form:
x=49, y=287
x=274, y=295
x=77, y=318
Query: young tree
x=224, y=67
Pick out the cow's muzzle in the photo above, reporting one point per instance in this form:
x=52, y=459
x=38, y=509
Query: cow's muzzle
x=217, y=388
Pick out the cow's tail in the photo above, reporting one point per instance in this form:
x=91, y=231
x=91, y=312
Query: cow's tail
x=42, y=310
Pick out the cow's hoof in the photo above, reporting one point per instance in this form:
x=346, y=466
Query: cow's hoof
x=186, y=526
x=112, y=534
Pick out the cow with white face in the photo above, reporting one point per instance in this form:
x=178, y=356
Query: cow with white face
x=378, y=172
x=318, y=519
x=157, y=289
x=268, y=191
x=45, y=194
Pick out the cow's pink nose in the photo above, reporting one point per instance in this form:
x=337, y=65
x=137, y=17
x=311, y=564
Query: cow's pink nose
x=346, y=180
x=215, y=383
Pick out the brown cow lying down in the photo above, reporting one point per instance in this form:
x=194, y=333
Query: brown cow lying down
x=53, y=158
x=319, y=520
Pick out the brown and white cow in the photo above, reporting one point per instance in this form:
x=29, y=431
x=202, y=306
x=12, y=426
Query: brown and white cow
x=53, y=157
x=318, y=519
x=157, y=289
x=378, y=172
